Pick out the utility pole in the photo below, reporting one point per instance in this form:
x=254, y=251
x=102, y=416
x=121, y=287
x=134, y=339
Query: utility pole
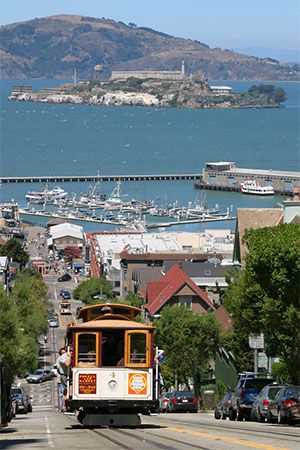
x=255, y=360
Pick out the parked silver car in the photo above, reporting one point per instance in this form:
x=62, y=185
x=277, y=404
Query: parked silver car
x=39, y=376
x=261, y=405
x=163, y=402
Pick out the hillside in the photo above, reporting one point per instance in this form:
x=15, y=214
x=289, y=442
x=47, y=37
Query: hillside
x=53, y=47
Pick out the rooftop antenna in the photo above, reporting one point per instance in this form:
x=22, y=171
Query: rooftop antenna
x=75, y=76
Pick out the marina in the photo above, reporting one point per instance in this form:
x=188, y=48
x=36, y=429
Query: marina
x=130, y=223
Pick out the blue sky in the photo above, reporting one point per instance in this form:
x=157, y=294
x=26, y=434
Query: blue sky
x=218, y=23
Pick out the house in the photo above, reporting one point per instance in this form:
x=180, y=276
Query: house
x=65, y=235
x=175, y=288
x=135, y=265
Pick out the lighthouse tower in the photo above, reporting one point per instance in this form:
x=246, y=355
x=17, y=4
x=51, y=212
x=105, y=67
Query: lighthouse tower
x=182, y=70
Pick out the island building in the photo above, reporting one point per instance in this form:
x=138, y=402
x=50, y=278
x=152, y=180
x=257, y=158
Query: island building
x=221, y=90
x=22, y=89
x=175, y=75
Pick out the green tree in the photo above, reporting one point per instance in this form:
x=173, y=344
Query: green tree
x=22, y=319
x=189, y=340
x=266, y=295
x=87, y=290
x=13, y=249
x=132, y=300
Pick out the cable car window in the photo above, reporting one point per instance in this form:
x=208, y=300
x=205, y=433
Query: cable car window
x=138, y=343
x=113, y=348
x=87, y=349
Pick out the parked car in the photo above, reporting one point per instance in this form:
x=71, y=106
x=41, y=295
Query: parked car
x=260, y=407
x=65, y=277
x=283, y=408
x=245, y=393
x=66, y=295
x=163, y=401
x=182, y=401
x=53, y=323
x=54, y=371
x=20, y=397
x=223, y=407
x=39, y=376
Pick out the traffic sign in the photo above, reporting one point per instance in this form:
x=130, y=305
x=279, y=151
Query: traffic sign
x=256, y=341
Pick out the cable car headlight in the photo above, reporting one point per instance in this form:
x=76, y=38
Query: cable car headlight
x=112, y=385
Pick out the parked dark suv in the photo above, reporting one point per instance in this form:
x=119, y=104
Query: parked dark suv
x=245, y=393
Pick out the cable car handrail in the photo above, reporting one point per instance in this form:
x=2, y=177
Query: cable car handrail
x=110, y=317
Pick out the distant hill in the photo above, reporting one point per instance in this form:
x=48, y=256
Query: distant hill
x=283, y=55
x=52, y=47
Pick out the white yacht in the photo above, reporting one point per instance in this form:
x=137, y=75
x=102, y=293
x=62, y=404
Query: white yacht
x=253, y=187
x=46, y=196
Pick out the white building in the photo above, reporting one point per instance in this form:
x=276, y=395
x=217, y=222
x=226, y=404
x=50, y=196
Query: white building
x=65, y=235
x=221, y=90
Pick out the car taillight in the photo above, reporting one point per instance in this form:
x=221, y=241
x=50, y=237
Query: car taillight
x=195, y=400
x=289, y=402
x=266, y=403
x=165, y=400
x=242, y=395
x=174, y=400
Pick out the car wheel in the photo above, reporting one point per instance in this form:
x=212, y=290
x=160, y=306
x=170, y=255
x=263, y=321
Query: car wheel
x=240, y=415
x=223, y=417
x=260, y=418
x=232, y=415
x=280, y=418
x=270, y=418
x=217, y=415
x=253, y=416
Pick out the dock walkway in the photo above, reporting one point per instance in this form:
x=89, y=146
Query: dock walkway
x=89, y=178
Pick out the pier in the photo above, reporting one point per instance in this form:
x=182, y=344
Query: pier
x=89, y=178
x=225, y=176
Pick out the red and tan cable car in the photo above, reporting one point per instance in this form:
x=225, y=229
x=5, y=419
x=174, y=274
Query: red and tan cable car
x=112, y=366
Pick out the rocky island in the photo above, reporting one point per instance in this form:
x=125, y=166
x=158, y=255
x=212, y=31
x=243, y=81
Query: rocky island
x=190, y=93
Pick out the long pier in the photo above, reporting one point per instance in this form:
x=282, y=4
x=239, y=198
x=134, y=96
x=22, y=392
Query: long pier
x=89, y=178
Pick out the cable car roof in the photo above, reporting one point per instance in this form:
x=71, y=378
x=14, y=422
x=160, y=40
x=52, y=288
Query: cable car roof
x=101, y=324
x=93, y=311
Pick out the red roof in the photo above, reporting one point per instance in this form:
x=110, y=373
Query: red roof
x=159, y=292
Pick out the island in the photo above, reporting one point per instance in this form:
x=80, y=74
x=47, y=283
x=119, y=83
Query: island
x=192, y=92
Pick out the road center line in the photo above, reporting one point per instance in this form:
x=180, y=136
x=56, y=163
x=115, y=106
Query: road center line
x=49, y=438
x=226, y=439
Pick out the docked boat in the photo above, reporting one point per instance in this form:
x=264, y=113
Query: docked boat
x=46, y=196
x=254, y=188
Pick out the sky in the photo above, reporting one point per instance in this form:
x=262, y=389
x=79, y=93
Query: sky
x=217, y=23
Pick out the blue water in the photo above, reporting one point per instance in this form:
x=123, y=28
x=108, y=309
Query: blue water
x=47, y=139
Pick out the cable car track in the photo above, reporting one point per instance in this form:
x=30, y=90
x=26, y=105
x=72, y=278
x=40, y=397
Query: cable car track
x=144, y=439
x=254, y=432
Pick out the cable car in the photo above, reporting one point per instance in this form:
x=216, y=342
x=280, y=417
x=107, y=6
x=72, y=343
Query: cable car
x=65, y=307
x=112, y=366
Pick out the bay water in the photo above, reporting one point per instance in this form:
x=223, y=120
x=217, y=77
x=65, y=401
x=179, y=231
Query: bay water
x=51, y=139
